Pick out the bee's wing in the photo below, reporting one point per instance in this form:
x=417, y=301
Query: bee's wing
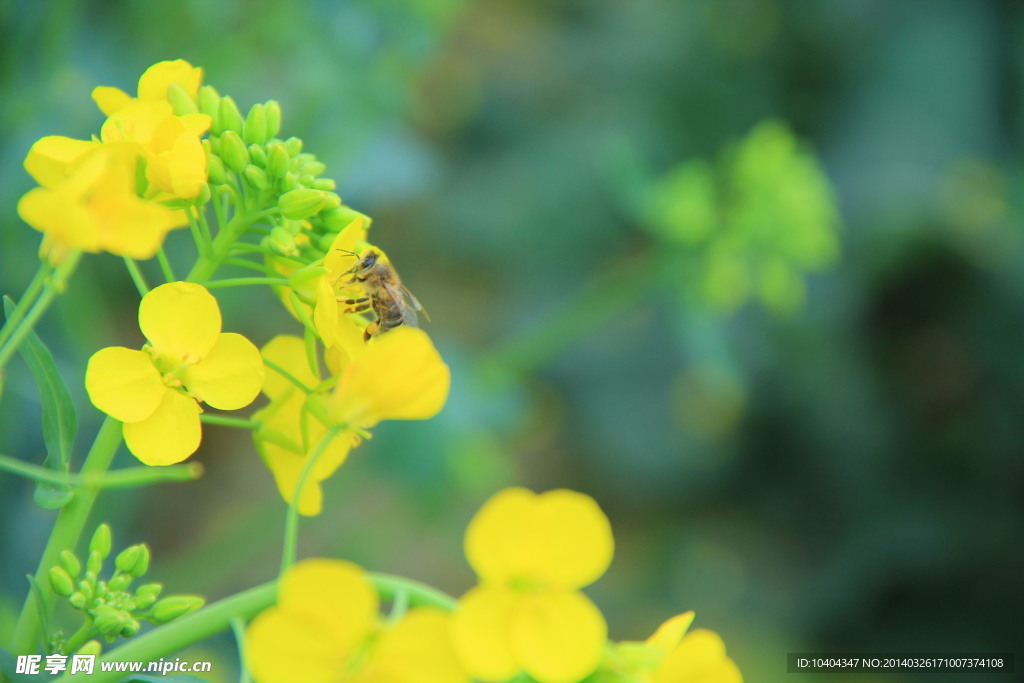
x=406, y=305
x=411, y=298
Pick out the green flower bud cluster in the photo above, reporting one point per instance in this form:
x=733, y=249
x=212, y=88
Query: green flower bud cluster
x=114, y=608
x=270, y=168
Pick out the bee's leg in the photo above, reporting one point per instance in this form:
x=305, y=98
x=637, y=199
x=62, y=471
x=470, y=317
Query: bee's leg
x=357, y=305
x=370, y=330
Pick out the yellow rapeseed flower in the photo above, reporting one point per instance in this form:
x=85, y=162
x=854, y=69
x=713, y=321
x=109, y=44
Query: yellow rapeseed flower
x=398, y=375
x=288, y=432
x=153, y=85
x=156, y=391
x=669, y=656
x=88, y=202
x=175, y=158
x=532, y=553
x=325, y=629
x=337, y=260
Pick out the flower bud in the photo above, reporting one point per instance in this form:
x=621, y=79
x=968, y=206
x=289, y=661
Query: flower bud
x=127, y=558
x=141, y=564
x=61, y=582
x=109, y=620
x=175, y=606
x=282, y=242
x=209, y=104
x=301, y=203
x=70, y=562
x=86, y=589
x=119, y=583
x=331, y=200
x=100, y=542
x=77, y=600
x=294, y=146
x=256, y=177
x=204, y=195
x=233, y=151
x=290, y=181
x=93, y=566
x=323, y=184
x=130, y=628
x=277, y=160
x=313, y=168
x=181, y=101
x=255, y=128
x=230, y=117
x=272, y=110
x=215, y=170
x=340, y=218
x=147, y=595
x=258, y=155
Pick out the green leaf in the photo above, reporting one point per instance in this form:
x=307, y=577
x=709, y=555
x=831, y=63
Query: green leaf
x=60, y=422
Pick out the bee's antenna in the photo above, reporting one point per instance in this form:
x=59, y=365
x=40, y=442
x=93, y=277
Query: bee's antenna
x=346, y=251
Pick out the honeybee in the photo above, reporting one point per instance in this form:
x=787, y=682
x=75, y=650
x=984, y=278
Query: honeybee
x=392, y=303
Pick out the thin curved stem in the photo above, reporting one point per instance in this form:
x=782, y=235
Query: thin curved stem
x=291, y=523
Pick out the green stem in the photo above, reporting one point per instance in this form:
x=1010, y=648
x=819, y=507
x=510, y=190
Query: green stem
x=291, y=524
x=251, y=265
x=224, y=421
x=238, y=628
x=165, y=266
x=203, y=247
x=81, y=635
x=217, y=617
x=287, y=375
x=137, y=277
x=66, y=531
x=51, y=288
x=226, y=237
x=244, y=281
x=26, y=301
x=129, y=477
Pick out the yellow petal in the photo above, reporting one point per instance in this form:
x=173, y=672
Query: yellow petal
x=325, y=315
x=155, y=81
x=49, y=160
x=558, y=637
x=337, y=590
x=169, y=435
x=573, y=543
x=668, y=635
x=181, y=320
x=559, y=539
x=230, y=376
x=288, y=352
x=482, y=633
x=135, y=122
x=111, y=100
x=197, y=123
x=179, y=162
x=132, y=227
x=61, y=217
x=339, y=257
x=699, y=658
x=416, y=650
x=124, y=383
x=284, y=646
x=400, y=376
x=286, y=467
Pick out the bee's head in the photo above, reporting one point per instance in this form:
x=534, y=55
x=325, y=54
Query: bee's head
x=366, y=261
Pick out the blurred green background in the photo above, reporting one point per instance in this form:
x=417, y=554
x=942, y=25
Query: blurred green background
x=840, y=473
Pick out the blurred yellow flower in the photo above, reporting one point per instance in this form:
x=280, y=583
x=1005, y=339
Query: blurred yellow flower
x=698, y=657
x=156, y=391
x=325, y=629
x=669, y=657
x=532, y=553
x=288, y=432
x=153, y=85
x=394, y=376
x=94, y=207
x=330, y=325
